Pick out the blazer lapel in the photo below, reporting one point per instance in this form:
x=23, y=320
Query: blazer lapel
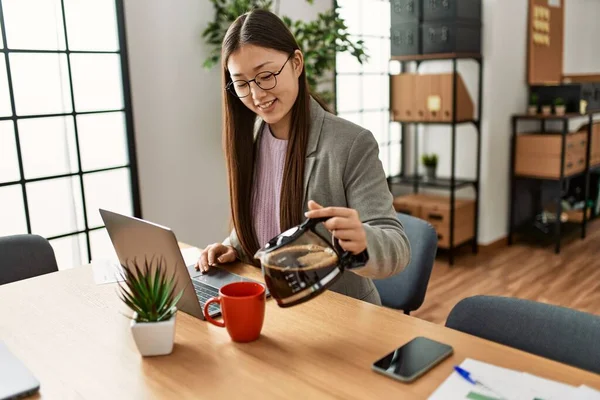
x=308, y=166
x=317, y=115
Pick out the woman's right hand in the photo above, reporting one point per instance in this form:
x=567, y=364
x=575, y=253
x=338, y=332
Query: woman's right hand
x=213, y=254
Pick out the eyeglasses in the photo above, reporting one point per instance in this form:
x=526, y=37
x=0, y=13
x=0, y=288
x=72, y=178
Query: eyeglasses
x=265, y=80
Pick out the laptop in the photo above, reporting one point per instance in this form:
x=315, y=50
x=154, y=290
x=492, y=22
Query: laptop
x=16, y=381
x=137, y=238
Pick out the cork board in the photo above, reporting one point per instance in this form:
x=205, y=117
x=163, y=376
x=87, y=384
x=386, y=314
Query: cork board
x=545, y=41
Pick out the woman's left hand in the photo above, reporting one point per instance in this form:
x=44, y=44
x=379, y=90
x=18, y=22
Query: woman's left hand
x=343, y=223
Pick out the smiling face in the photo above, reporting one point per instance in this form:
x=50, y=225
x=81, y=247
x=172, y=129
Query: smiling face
x=275, y=90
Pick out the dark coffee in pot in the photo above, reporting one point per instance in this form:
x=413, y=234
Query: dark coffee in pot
x=300, y=263
x=299, y=270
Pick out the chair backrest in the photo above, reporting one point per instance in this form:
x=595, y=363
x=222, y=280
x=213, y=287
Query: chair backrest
x=406, y=290
x=558, y=333
x=25, y=256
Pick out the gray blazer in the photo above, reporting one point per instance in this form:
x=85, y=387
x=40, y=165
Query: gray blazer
x=343, y=170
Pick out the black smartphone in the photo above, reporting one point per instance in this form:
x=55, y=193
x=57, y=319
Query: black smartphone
x=412, y=359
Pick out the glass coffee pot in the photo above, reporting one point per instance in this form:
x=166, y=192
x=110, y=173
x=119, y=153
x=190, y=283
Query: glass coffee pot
x=300, y=263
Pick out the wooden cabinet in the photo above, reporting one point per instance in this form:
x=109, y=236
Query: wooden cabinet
x=595, y=154
x=409, y=204
x=539, y=155
x=436, y=211
x=595, y=143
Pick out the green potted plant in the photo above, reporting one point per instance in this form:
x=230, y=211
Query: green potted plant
x=559, y=106
x=546, y=109
x=320, y=40
x=430, y=162
x=533, y=104
x=152, y=297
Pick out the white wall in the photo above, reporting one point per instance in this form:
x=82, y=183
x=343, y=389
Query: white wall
x=582, y=32
x=177, y=115
x=505, y=93
x=177, y=118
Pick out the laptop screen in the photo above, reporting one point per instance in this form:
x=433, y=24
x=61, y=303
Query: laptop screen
x=15, y=379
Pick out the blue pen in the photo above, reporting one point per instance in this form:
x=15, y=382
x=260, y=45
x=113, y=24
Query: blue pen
x=471, y=379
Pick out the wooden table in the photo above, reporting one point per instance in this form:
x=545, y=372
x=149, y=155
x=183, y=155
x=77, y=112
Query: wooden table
x=70, y=332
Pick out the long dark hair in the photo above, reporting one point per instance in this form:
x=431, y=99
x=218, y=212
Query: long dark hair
x=265, y=29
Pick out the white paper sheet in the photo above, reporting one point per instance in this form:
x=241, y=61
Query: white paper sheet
x=548, y=389
x=106, y=271
x=507, y=383
x=585, y=393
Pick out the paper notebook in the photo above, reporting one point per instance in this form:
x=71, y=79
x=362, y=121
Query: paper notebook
x=507, y=384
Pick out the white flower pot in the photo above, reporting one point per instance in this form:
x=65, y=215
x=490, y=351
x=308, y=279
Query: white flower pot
x=546, y=110
x=154, y=338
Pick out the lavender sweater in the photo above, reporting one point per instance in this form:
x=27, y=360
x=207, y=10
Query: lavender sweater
x=268, y=174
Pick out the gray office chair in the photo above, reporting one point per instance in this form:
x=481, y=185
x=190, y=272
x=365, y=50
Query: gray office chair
x=558, y=333
x=406, y=290
x=25, y=256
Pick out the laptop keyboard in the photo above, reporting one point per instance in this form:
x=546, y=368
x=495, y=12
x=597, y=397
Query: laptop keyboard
x=204, y=293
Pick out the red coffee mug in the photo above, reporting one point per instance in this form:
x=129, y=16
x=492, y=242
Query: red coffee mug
x=243, y=309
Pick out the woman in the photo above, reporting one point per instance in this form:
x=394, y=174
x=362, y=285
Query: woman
x=299, y=161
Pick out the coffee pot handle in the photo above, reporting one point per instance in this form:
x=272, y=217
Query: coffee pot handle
x=312, y=222
x=347, y=259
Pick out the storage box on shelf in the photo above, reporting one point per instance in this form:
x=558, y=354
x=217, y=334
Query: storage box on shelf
x=450, y=37
x=428, y=97
x=451, y=26
x=451, y=10
x=436, y=210
x=405, y=28
x=406, y=11
x=435, y=27
x=539, y=155
x=405, y=39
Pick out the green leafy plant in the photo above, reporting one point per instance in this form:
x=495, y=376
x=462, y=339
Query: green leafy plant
x=533, y=100
x=319, y=39
x=148, y=291
x=429, y=160
x=559, y=101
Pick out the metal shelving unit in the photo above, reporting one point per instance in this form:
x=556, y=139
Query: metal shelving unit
x=451, y=183
x=559, y=181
